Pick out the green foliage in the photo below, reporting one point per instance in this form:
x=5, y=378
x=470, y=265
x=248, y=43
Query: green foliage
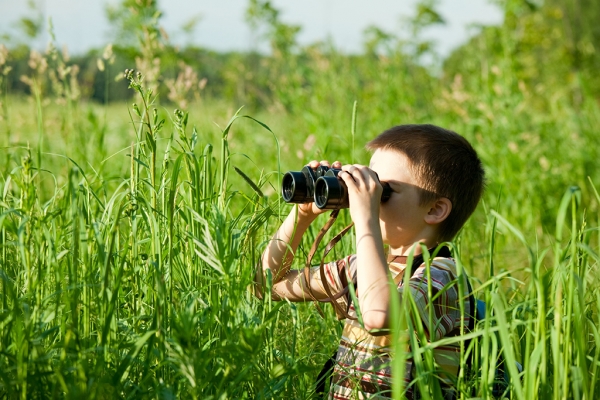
x=281, y=36
x=32, y=26
x=140, y=291
x=549, y=48
x=135, y=22
x=127, y=246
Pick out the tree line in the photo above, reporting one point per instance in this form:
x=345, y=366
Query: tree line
x=550, y=45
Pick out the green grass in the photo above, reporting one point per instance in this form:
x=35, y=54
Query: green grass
x=128, y=239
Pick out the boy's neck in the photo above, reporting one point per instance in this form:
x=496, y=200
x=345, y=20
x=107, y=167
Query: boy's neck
x=406, y=250
x=396, y=259
x=402, y=259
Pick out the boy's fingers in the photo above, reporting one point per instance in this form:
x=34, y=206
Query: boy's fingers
x=315, y=164
x=351, y=173
x=347, y=178
x=359, y=173
x=354, y=168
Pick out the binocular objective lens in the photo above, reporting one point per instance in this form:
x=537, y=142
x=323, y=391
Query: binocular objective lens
x=288, y=187
x=330, y=193
x=321, y=193
x=295, y=188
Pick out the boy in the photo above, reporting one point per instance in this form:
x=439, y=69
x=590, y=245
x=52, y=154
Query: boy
x=436, y=180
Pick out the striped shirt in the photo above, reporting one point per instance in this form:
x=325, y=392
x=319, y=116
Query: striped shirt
x=363, y=367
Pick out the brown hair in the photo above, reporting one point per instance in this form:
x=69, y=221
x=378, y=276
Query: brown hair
x=444, y=163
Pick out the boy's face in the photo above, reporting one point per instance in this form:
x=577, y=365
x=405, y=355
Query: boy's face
x=402, y=217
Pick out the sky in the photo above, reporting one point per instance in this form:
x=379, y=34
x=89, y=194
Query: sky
x=82, y=24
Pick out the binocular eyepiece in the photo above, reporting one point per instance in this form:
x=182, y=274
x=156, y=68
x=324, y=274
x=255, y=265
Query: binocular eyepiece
x=321, y=186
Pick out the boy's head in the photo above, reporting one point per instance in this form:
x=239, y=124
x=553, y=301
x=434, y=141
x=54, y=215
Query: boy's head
x=444, y=164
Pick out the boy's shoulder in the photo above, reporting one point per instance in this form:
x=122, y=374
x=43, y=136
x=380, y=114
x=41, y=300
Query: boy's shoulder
x=442, y=264
x=444, y=267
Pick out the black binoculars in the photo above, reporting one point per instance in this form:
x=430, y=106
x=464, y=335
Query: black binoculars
x=322, y=186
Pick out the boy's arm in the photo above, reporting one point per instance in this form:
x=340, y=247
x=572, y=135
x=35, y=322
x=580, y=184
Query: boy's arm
x=279, y=255
x=364, y=191
x=372, y=273
x=280, y=251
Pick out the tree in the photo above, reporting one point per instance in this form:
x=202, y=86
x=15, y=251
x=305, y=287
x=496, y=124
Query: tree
x=547, y=46
x=137, y=34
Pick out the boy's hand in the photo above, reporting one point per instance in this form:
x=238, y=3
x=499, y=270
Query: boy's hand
x=364, y=192
x=310, y=209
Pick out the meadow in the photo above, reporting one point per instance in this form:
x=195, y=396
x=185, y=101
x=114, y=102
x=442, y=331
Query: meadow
x=130, y=230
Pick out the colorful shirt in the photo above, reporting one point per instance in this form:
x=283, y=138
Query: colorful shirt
x=363, y=367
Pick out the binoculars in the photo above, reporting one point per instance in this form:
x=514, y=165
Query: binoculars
x=322, y=186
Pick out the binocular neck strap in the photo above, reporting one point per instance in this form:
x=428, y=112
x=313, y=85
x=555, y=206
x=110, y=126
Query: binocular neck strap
x=307, y=268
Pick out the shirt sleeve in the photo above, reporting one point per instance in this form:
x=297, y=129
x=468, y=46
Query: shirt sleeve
x=444, y=297
x=337, y=276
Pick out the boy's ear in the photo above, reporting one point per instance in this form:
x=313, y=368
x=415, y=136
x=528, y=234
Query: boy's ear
x=439, y=211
